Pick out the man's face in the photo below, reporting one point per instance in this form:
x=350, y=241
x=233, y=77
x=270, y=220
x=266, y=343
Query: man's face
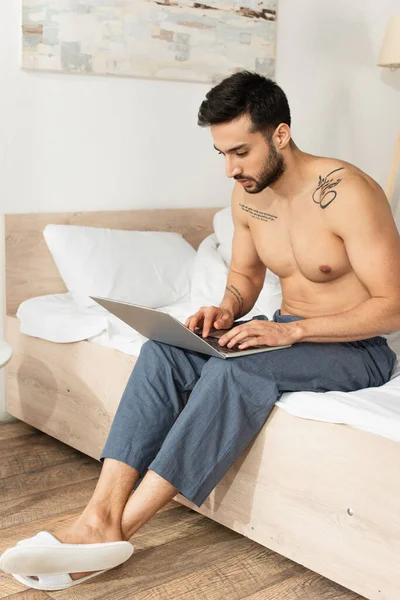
x=250, y=159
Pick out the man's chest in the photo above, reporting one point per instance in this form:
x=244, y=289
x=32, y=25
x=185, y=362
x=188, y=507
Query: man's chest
x=290, y=242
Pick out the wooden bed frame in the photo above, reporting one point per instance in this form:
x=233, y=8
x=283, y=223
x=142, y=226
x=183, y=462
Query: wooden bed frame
x=324, y=495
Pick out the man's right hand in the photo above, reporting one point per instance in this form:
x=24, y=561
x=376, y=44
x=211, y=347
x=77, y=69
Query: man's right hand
x=210, y=316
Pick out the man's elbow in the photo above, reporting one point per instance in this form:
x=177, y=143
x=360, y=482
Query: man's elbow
x=255, y=277
x=391, y=311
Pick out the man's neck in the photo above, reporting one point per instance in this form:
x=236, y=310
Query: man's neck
x=296, y=178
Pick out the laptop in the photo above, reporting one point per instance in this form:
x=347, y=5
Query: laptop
x=162, y=327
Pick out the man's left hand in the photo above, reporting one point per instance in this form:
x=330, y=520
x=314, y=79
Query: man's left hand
x=262, y=333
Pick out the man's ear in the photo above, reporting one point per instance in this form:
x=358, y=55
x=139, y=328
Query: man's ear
x=282, y=136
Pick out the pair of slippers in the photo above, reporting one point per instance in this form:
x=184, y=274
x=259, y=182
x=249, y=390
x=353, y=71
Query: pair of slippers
x=51, y=561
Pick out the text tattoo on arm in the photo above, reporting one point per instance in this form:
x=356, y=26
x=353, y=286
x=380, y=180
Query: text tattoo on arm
x=235, y=292
x=325, y=184
x=258, y=214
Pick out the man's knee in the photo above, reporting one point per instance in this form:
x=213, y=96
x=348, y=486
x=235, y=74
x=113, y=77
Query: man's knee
x=220, y=374
x=156, y=355
x=243, y=379
x=152, y=348
x=218, y=367
x=235, y=367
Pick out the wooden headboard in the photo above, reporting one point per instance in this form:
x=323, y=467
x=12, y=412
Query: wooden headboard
x=30, y=269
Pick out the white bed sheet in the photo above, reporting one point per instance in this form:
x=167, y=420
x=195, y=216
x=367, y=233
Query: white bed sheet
x=62, y=319
x=374, y=409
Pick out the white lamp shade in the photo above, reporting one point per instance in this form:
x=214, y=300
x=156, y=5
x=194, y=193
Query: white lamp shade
x=390, y=51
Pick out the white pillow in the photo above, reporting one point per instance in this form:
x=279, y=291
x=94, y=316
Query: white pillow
x=150, y=268
x=209, y=275
x=223, y=228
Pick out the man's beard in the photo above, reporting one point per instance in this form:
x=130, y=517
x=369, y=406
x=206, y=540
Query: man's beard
x=273, y=170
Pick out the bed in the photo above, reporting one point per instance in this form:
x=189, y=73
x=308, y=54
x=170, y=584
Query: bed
x=323, y=494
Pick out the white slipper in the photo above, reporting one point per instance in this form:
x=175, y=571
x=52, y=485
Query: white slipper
x=53, y=583
x=45, y=555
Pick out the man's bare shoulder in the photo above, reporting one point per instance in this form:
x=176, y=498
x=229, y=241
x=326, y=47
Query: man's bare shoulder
x=339, y=183
x=333, y=168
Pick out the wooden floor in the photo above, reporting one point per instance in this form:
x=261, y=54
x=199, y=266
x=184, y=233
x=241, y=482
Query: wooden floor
x=179, y=554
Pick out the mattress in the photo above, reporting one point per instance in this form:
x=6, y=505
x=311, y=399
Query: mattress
x=59, y=318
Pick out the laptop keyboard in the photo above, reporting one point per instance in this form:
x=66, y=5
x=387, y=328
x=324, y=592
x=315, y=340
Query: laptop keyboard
x=215, y=344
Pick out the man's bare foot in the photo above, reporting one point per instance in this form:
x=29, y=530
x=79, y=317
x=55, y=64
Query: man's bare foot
x=88, y=531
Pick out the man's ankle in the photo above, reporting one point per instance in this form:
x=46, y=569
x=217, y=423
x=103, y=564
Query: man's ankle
x=101, y=518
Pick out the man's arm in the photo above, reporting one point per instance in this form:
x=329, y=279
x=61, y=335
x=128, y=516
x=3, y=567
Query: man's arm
x=247, y=272
x=362, y=217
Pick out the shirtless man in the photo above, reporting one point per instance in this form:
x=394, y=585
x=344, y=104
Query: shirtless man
x=326, y=229
x=320, y=224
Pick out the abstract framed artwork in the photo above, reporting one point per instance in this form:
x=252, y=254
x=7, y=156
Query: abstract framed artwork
x=163, y=39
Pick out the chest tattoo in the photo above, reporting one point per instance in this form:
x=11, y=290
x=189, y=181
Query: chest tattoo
x=325, y=184
x=257, y=214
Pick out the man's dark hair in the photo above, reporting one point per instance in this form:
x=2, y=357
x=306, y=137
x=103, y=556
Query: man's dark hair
x=246, y=93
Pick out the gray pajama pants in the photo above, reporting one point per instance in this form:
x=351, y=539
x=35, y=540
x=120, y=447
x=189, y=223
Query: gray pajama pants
x=188, y=416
